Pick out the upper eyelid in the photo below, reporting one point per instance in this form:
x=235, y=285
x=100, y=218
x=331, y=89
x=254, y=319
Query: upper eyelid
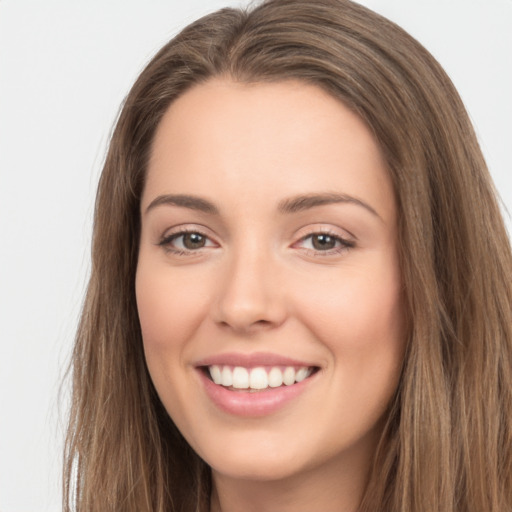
x=327, y=233
x=325, y=229
x=187, y=228
x=173, y=236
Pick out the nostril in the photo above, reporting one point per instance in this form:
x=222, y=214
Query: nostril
x=248, y=326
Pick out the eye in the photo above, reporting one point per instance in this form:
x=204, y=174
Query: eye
x=322, y=242
x=325, y=243
x=186, y=241
x=191, y=241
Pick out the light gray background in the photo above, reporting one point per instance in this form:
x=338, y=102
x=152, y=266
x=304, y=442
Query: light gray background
x=65, y=67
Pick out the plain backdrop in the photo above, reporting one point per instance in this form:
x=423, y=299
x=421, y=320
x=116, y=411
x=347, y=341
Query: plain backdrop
x=65, y=67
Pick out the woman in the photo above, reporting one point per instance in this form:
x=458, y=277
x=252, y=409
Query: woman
x=300, y=292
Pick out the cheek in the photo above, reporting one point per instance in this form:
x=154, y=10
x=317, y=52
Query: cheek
x=359, y=308
x=169, y=306
x=364, y=331
x=359, y=316
x=170, y=309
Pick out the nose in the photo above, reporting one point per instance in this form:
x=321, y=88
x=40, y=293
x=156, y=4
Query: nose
x=250, y=294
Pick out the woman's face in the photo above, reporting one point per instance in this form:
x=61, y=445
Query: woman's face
x=268, y=282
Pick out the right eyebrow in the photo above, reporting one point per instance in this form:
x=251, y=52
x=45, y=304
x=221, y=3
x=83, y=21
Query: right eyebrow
x=185, y=201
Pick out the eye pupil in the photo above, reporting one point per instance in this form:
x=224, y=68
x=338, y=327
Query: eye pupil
x=323, y=242
x=193, y=240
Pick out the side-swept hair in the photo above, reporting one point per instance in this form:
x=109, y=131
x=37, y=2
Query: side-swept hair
x=447, y=444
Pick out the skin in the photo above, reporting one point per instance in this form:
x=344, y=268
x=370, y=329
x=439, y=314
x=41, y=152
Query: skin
x=261, y=284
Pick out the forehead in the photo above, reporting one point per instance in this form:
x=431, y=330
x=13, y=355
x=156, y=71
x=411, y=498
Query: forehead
x=265, y=140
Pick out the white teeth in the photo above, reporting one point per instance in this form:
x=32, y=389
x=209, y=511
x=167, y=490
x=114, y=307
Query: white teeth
x=257, y=378
x=216, y=374
x=289, y=376
x=227, y=376
x=301, y=374
x=240, y=377
x=275, y=378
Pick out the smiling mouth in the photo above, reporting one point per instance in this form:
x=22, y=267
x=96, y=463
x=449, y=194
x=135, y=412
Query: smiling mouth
x=259, y=378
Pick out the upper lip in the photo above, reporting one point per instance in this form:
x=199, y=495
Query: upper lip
x=251, y=360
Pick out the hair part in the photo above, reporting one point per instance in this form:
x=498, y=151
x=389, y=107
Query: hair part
x=447, y=444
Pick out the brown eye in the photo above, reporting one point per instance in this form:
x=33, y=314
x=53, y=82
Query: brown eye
x=323, y=242
x=186, y=242
x=193, y=241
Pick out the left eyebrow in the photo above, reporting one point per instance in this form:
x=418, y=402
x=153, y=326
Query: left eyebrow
x=305, y=202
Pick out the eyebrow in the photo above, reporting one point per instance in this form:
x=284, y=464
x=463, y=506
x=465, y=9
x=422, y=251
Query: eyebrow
x=305, y=202
x=287, y=206
x=185, y=201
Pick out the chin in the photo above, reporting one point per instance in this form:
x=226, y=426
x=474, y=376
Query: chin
x=258, y=460
x=264, y=469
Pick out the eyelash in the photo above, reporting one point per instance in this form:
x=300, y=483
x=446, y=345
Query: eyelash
x=343, y=243
x=166, y=242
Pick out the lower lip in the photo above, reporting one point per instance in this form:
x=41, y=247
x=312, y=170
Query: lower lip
x=253, y=404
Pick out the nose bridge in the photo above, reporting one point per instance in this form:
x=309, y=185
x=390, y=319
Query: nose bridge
x=248, y=292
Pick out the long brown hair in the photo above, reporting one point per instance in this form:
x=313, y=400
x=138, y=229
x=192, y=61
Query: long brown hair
x=447, y=444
